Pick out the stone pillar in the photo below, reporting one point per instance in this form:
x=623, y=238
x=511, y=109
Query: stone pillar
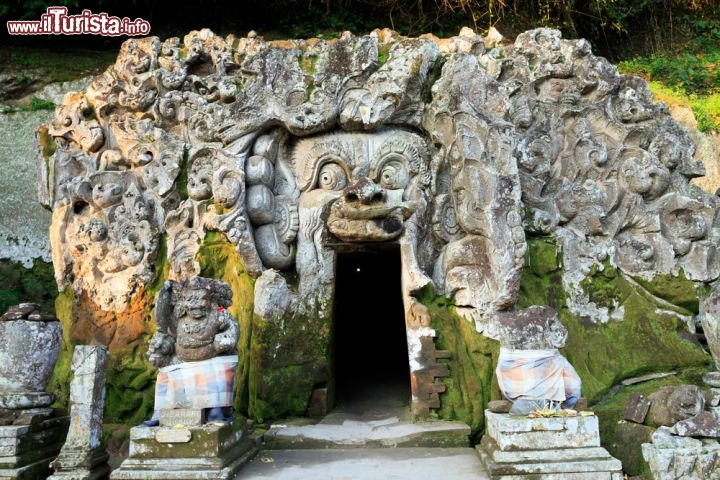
x=31, y=432
x=83, y=457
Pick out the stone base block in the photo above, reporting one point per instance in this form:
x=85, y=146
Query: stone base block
x=27, y=450
x=685, y=458
x=81, y=464
x=19, y=400
x=196, y=452
x=522, y=433
x=556, y=448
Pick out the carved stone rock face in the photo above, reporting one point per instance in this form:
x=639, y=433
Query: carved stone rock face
x=292, y=150
x=372, y=179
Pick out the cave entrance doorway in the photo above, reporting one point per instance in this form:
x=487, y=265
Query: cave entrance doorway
x=372, y=366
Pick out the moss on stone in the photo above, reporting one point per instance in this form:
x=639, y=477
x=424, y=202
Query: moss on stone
x=59, y=384
x=611, y=409
x=604, y=286
x=129, y=396
x=469, y=387
x=647, y=339
x=675, y=289
x=219, y=259
x=290, y=357
x=161, y=267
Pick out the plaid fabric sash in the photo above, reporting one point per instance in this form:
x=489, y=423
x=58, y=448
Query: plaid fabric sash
x=203, y=384
x=536, y=375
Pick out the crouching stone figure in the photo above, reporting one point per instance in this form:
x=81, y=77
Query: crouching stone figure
x=195, y=348
x=531, y=372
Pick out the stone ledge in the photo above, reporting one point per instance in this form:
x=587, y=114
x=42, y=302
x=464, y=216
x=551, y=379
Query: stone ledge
x=522, y=433
x=555, y=448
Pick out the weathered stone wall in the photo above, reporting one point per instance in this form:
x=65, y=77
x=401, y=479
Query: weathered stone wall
x=509, y=175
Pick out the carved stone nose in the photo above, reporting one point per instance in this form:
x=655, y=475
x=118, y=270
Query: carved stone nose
x=364, y=191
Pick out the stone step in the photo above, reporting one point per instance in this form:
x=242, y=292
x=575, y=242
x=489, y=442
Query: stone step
x=365, y=464
x=343, y=431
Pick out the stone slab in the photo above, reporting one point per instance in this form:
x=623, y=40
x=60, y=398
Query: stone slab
x=343, y=431
x=555, y=448
x=551, y=455
x=173, y=435
x=712, y=379
x=182, y=416
x=20, y=400
x=522, y=433
x=559, y=465
x=188, y=468
x=208, y=441
x=637, y=408
x=365, y=464
x=31, y=471
x=23, y=445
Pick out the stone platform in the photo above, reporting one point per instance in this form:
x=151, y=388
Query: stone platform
x=555, y=448
x=187, y=452
x=27, y=450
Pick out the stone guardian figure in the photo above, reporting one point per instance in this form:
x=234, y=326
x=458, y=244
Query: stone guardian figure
x=531, y=372
x=195, y=348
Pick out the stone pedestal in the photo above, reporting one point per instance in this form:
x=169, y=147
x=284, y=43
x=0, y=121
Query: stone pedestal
x=179, y=452
x=556, y=448
x=27, y=450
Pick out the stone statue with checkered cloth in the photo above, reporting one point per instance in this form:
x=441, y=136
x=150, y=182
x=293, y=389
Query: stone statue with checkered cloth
x=195, y=348
x=531, y=372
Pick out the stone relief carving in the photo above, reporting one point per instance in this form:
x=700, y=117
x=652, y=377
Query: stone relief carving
x=453, y=151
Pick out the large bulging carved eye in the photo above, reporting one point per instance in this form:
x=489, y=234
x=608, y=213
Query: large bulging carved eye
x=332, y=177
x=394, y=175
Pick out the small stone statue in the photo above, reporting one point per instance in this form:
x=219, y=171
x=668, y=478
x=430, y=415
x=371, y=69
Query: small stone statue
x=195, y=348
x=531, y=372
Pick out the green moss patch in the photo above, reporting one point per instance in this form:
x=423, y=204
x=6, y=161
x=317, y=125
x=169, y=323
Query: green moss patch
x=676, y=290
x=648, y=339
x=469, y=387
x=621, y=439
x=219, y=259
x=130, y=391
x=290, y=357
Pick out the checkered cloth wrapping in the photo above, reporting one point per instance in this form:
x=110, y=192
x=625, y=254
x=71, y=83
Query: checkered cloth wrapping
x=536, y=375
x=204, y=384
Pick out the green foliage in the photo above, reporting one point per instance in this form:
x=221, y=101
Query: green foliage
x=34, y=105
x=669, y=82
x=691, y=73
x=19, y=284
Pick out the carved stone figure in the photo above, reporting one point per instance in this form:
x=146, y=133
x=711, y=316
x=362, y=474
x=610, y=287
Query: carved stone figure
x=531, y=373
x=195, y=348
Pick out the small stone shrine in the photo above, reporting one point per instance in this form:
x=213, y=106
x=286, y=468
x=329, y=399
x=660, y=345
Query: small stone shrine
x=31, y=432
x=193, y=433
x=541, y=383
x=83, y=456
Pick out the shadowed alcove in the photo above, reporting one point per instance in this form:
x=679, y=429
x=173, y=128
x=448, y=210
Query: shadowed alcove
x=370, y=344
